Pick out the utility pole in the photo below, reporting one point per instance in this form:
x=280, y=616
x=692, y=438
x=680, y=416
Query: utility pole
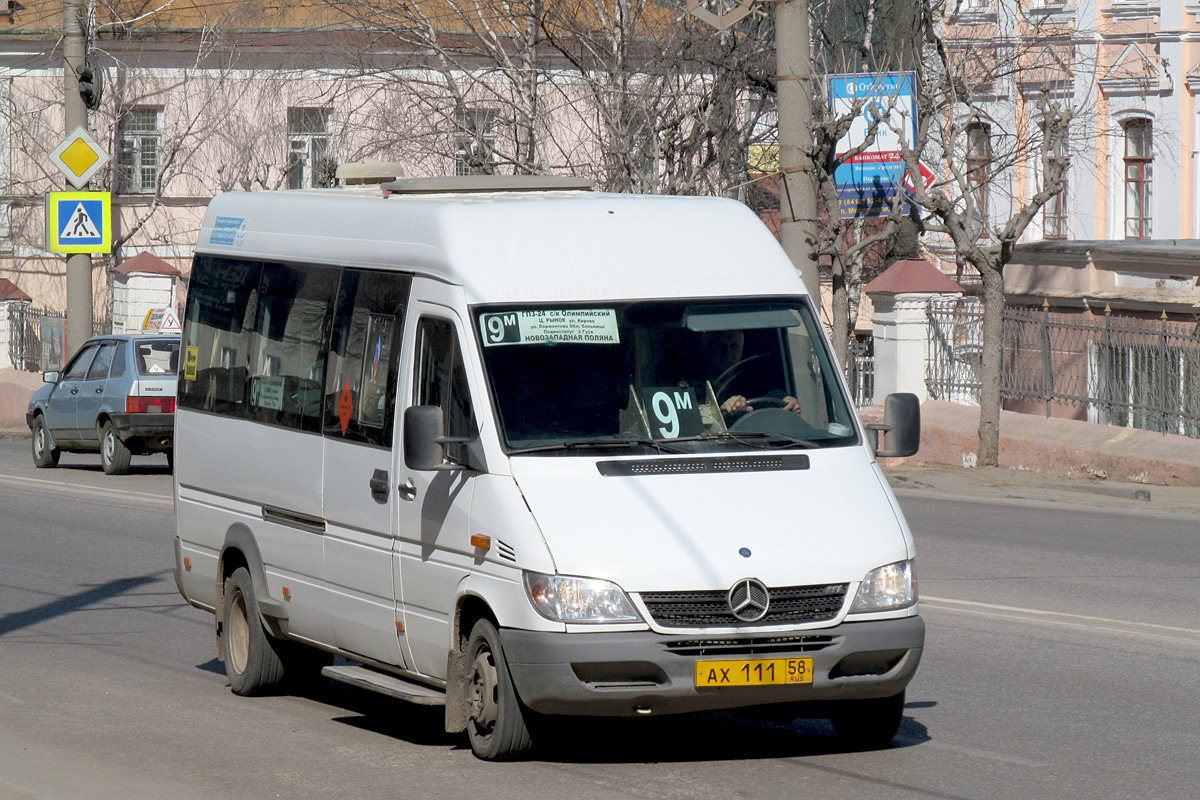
x=794, y=95
x=79, y=265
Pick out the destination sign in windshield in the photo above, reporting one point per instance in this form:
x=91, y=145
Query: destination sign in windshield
x=551, y=326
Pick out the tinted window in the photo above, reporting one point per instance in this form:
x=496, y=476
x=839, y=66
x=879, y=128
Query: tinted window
x=157, y=357
x=222, y=298
x=288, y=345
x=441, y=380
x=364, y=354
x=99, y=368
x=79, y=365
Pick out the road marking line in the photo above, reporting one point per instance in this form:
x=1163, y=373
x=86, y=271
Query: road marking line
x=1057, y=618
x=85, y=489
x=974, y=752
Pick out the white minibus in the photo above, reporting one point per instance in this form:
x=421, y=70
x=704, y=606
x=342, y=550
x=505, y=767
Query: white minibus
x=529, y=451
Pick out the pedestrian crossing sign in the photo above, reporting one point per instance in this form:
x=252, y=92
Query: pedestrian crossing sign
x=79, y=222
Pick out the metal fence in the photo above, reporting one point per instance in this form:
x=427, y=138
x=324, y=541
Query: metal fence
x=37, y=337
x=1124, y=370
x=861, y=376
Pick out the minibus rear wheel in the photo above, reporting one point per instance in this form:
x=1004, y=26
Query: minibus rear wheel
x=868, y=724
x=495, y=719
x=251, y=659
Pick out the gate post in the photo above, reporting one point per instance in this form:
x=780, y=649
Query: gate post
x=900, y=326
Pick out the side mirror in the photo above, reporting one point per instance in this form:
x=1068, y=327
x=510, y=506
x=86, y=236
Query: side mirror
x=424, y=444
x=901, y=426
x=50, y=377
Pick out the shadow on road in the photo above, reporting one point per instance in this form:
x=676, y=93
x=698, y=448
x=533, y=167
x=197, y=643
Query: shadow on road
x=134, y=469
x=74, y=602
x=709, y=736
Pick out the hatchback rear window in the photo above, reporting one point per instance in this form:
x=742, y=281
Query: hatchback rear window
x=157, y=357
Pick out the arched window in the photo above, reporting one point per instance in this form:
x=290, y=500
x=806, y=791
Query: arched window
x=1139, y=178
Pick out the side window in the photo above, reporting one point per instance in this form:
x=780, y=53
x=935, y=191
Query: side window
x=364, y=355
x=222, y=297
x=441, y=380
x=99, y=368
x=118, y=365
x=79, y=366
x=288, y=346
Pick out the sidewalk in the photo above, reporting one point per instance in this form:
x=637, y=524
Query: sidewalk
x=1060, y=447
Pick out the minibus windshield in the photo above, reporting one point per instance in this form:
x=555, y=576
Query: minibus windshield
x=684, y=376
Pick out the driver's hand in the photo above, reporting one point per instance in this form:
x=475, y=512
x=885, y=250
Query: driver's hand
x=791, y=404
x=735, y=405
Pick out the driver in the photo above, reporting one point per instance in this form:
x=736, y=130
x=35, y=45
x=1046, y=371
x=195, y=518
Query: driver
x=723, y=349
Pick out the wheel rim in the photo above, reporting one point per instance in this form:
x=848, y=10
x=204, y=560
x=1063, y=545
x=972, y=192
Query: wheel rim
x=482, y=705
x=39, y=442
x=110, y=446
x=238, y=635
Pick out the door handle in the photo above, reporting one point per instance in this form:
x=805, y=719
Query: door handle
x=100, y=390
x=74, y=390
x=407, y=490
x=379, y=485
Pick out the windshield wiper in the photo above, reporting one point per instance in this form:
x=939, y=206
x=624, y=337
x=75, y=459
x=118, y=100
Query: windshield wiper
x=743, y=437
x=598, y=443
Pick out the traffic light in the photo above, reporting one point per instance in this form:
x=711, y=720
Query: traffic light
x=90, y=85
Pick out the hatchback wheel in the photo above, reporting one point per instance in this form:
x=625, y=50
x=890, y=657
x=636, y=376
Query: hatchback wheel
x=114, y=455
x=43, y=454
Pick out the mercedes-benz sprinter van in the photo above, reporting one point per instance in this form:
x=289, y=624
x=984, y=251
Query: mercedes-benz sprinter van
x=522, y=449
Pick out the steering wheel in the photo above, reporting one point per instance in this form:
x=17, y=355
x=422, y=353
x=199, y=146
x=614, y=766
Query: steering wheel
x=775, y=420
x=725, y=378
x=765, y=402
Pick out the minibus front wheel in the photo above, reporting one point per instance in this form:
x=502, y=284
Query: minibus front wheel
x=252, y=662
x=868, y=724
x=495, y=720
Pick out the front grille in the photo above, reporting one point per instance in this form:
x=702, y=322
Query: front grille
x=746, y=646
x=789, y=605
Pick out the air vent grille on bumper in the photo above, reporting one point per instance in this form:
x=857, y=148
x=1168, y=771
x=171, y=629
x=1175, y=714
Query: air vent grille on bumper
x=788, y=605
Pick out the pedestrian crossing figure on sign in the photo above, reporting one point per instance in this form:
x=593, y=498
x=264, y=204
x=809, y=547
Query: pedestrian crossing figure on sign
x=80, y=225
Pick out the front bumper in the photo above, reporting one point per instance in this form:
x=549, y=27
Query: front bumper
x=155, y=431
x=628, y=674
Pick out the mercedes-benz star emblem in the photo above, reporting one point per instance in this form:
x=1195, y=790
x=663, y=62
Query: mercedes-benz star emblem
x=748, y=600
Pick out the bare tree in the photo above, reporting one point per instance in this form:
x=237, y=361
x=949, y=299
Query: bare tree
x=1001, y=162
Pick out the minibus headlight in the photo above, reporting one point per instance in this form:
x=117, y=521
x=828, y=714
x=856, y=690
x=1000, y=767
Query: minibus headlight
x=565, y=598
x=887, y=588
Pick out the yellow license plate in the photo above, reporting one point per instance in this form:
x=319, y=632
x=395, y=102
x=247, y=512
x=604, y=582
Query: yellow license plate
x=754, y=673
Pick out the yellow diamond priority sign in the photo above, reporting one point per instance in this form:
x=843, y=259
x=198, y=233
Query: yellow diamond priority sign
x=79, y=157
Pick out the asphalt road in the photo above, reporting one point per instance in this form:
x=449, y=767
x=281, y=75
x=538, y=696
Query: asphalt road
x=1062, y=661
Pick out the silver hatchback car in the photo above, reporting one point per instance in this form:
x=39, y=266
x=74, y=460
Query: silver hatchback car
x=116, y=396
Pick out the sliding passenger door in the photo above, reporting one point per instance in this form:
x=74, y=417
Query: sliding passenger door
x=361, y=429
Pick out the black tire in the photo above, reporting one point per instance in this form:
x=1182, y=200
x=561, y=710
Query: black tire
x=251, y=655
x=44, y=456
x=302, y=664
x=868, y=724
x=495, y=718
x=171, y=460
x=114, y=455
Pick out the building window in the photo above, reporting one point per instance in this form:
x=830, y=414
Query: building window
x=979, y=158
x=1139, y=178
x=476, y=131
x=139, y=139
x=310, y=147
x=1054, y=213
